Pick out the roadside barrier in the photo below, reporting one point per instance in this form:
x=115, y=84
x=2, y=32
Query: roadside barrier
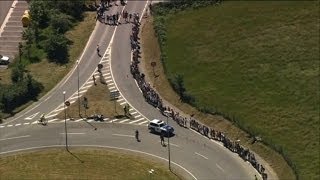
x=152, y=97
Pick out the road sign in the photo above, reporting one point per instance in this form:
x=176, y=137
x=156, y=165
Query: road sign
x=67, y=103
x=114, y=95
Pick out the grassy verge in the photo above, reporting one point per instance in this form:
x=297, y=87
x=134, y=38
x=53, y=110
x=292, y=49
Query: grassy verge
x=98, y=103
x=97, y=164
x=260, y=66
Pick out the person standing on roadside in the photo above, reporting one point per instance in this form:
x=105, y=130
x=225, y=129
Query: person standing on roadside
x=162, y=139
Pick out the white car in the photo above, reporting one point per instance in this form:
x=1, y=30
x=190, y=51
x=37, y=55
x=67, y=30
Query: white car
x=4, y=60
x=159, y=126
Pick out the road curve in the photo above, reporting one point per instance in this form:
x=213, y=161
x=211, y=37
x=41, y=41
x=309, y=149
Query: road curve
x=203, y=158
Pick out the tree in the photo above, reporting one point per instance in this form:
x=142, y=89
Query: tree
x=60, y=22
x=56, y=47
x=39, y=12
x=17, y=73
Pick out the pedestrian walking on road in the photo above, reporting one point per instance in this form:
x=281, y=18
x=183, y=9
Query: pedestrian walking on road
x=137, y=136
x=162, y=139
x=98, y=50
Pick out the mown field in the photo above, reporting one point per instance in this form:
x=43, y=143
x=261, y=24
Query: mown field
x=259, y=62
x=81, y=164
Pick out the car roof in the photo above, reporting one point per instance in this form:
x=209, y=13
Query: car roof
x=156, y=121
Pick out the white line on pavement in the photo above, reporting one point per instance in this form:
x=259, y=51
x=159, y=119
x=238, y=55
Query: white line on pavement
x=83, y=91
x=124, y=135
x=134, y=113
x=15, y=137
x=136, y=120
x=137, y=116
x=56, y=110
x=52, y=115
x=26, y=123
x=18, y=124
x=119, y=100
x=10, y=125
x=2, y=126
x=52, y=120
x=143, y=122
x=201, y=155
x=109, y=81
x=219, y=167
x=78, y=120
x=123, y=103
x=124, y=120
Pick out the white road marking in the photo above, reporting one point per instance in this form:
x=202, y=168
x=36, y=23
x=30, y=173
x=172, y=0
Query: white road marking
x=108, y=74
x=113, y=120
x=112, y=88
x=52, y=115
x=2, y=126
x=123, y=103
x=137, y=116
x=131, y=109
x=56, y=110
x=32, y=116
x=35, y=122
x=26, y=123
x=124, y=135
x=52, y=120
x=73, y=97
x=15, y=137
x=71, y=102
x=134, y=113
x=83, y=91
x=10, y=125
x=136, y=120
x=219, y=167
x=124, y=120
x=18, y=124
x=201, y=155
x=47, y=98
x=106, y=119
x=73, y=133
x=143, y=122
x=109, y=81
x=78, y=120
x=108, y=77
x=87, y=86
x=90, y=120
x=120, y=99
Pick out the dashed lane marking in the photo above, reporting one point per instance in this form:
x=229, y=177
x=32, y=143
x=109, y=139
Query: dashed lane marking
x=201, y=155
x=10, y=125
x=134, y=113
x=18, y=124
x=26, y=123
x=32, y=116
x=2, y=126
x=123, y=103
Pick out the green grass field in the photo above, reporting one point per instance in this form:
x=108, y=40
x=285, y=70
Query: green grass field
x=81, y=164
x=257, y=61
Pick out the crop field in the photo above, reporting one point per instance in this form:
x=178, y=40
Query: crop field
x=257, y=62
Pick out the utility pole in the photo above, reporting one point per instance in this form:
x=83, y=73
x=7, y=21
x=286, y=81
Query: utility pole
x=78, y=87
x=168, y=145
x=65, y=118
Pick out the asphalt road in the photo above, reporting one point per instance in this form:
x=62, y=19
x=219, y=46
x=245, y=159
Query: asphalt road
x=201, y=158
x=4, y=9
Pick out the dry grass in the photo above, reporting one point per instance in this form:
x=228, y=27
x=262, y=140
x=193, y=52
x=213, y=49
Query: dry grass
x=96, y=164
x=162, y=85
x=98, y=103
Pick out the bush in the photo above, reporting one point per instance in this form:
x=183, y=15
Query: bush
x=17, y=73
x=60, y=22
x=56, y=47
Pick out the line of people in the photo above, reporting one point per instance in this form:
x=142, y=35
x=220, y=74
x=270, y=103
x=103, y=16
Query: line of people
x=152, y=97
